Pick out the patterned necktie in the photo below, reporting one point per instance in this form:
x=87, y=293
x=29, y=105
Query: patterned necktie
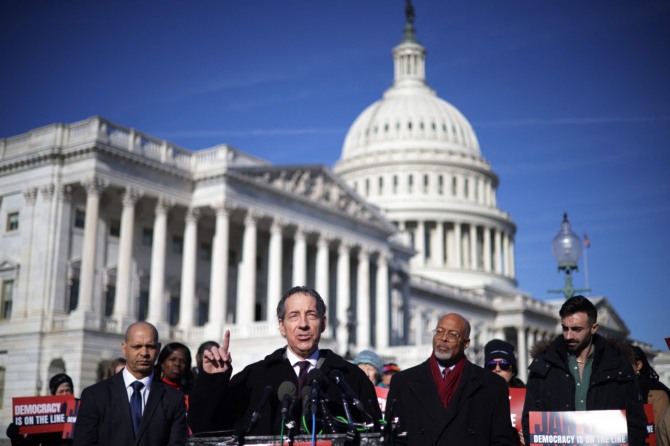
x=302, y=375
x=136, y=404
x=445, y=372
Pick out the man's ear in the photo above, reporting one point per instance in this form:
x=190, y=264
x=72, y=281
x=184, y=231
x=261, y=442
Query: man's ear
x=324, y=324
x=594, y=328
x=282, y=329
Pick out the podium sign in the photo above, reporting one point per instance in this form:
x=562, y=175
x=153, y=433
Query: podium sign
x=589, y=427
x=373, y=439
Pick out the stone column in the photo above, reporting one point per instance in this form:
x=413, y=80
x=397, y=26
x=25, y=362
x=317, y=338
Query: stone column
x=246, y=289
x=506, y=255
x=299, y=258
x=219, y=276
x=418, y=326
x=157, y=304
x=275, y=256
x=439, y=245
x=322, y=266
x=473, y=246
x=497, y=255
x=94, y=187
x=343, y=295
x=188, y=264
x=522, y=358
x=382, y=330
x=122, y=299
x=457, y=245
x=363, y=300
x=487, y=249
x=420, y=242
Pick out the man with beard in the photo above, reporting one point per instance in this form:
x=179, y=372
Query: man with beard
x=581, y=370
x=447, y=399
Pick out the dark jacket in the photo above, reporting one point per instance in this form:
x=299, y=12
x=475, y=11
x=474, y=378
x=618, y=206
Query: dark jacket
x=613, y=385
x=478, y=413
x=104, y=416
x=219, y=402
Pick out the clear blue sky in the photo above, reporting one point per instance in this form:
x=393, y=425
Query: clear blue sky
x=570, y=101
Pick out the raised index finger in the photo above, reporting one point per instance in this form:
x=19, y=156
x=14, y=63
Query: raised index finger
x=226, y=341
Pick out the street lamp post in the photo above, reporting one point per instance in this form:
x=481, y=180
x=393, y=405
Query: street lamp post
x=566, y=248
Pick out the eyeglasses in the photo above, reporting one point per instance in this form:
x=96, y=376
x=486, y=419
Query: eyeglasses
x=441, y=333
x=504, y=365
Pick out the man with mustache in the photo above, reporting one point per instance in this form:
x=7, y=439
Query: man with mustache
x=131, y=407
x=581, y=370
x=448, y=400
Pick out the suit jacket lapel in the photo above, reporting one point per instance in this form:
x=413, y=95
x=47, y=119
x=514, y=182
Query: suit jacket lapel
x=468, y=385
x=426, y=393
x=155, y=395
x=120, y=403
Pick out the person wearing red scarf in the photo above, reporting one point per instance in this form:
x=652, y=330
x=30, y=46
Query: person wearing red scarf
x=447, y=400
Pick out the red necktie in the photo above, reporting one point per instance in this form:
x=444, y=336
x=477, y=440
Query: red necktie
x=302, y=375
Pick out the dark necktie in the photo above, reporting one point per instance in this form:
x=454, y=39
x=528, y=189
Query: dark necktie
x=445, y=372
x=136, y=404
x=302, y=374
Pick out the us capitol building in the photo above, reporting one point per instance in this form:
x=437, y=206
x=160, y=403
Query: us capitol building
x=102, y=225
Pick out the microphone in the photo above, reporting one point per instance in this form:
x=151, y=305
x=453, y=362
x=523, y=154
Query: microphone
x=337, y=376
x=256, y=415
x=314, y=378
x=286, y=393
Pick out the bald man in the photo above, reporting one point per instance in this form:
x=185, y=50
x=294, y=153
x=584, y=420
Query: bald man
x=158, y=416
x=447, y=399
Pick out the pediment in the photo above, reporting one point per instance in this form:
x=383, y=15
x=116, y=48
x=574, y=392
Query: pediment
x=318, y=185
x=608, y=318
x=8, y=265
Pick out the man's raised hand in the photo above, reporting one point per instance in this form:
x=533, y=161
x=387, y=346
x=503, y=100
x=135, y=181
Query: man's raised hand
x=218, y=360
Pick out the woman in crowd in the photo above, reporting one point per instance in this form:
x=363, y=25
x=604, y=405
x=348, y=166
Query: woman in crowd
x=59, y=384
x=173, y=367
x=500, y=359
x=653, y=392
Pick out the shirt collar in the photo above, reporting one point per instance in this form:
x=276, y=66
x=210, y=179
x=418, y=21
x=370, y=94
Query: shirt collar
x=128, y=379
x=293, y=359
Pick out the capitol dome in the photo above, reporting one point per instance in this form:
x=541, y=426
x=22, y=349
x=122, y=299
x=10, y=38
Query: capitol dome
x=417, y=158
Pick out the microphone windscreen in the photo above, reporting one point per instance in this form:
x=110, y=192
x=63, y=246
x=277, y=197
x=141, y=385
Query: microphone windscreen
x=305, y=395
x=286, y=388
x=315, y=375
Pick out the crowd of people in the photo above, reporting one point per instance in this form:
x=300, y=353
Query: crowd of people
x=154, y=396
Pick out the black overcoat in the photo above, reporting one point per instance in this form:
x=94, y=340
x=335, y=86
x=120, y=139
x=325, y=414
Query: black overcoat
x=218, y=402
x=613, y=385
x=477, y=415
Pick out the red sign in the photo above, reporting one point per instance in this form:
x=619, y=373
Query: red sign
x=382, y=393
x=516, y=399
x=585, y=427
x=651, y=432
x=40, y=414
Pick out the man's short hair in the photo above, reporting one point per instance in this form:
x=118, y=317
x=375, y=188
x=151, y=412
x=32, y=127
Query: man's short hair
x=579, y=304
x=320, y=304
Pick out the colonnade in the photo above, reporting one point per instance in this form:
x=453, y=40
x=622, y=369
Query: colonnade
x=461, y=245
x=354, y=259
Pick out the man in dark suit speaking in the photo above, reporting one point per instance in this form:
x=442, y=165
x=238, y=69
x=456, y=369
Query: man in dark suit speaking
x=269, y=396
x=131, y=408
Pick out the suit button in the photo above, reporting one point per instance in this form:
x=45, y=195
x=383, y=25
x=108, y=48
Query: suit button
x=422, y=431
